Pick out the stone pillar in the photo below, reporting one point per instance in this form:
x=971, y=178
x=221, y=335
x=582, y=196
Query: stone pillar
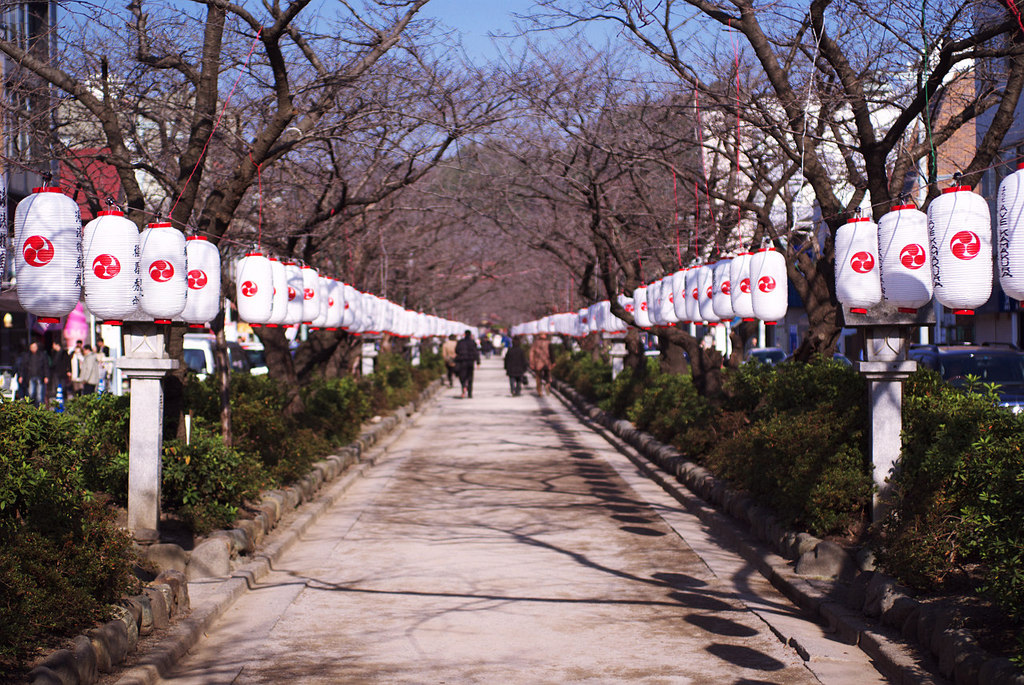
x=144, y=364
x=885, y=370
x=369, y=353
x=618, y=355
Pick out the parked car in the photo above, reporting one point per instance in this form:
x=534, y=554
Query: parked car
x=257, y=360
x=765, y=355
x=998, y=363
x=198, y=354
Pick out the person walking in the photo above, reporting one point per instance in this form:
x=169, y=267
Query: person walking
x=466, y=355
x=516, y=366
x=60, y=370
x=34, y=373
x=90, y=370
x=448, y=354
x=76, y=368
x=540, y=362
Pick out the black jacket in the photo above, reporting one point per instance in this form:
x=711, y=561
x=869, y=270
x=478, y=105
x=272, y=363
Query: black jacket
x=515, y=361
x=466, y=351
x=34, y=365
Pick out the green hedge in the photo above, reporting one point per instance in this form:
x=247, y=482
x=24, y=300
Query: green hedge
x=958, y=521
x=62, y=561
x=794, y=437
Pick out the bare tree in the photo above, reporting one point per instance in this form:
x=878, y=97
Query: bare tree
x=857, y=97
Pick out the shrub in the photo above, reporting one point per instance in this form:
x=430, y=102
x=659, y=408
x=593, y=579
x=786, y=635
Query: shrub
x=591, y=377
x=205, y=481
x=335, y=408
x=669, y=407
x=61, y=558
x=803, y=452
x=958, y=495
x=102, y=442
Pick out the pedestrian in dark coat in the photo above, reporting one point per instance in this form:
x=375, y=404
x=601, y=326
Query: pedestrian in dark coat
x=60, y=370
x=34, y=373
x=516, y=366
x=466, y=355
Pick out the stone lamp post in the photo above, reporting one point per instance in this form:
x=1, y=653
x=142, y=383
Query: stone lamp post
x=885, y=334
x=144, y=364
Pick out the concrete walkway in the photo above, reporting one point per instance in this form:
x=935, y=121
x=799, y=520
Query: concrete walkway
x=501, y=541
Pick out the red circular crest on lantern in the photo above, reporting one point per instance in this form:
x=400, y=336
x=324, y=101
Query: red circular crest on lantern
x=710, y=293
x=161, y=271
x=196, y=279
x=726, y=288
x=307, y=294
x=643, y=306
x=249, y=289
x=38, y=251
x=695, y=293
x=106, y=266
x=862, y=262
x=330, y=301
x=291, y=293
x=766, y=284
x=965, y=245
x=629, y=308
x=912, y=256
x=745, y=285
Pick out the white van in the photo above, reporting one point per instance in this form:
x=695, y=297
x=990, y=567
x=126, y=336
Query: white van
x=198, y=354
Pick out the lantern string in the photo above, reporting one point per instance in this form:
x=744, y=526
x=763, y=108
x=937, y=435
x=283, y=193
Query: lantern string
x=696, y=221
x=675, y=201
x=223, y=110
x=259, y=185
x=704, y=172
x=1016, y=12
x=736, y=57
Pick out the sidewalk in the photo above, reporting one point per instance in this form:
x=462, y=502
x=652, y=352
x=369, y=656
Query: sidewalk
x=501, y=541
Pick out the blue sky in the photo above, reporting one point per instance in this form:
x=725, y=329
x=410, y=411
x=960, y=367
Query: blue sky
x=475, y=19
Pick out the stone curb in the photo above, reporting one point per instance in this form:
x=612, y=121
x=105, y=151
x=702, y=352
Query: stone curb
x=862, y=607
x=102, y=648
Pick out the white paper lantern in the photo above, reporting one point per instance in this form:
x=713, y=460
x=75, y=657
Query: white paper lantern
x=112, y=283
x=627, y=304
x=202, y=299
x=705, y=293
x=254, y=289
x=48, y=253
x=903, y=258
x=294, y=290
x=858, y=285
x=323, y=297
x=769, y=285
x=677, y=282
x=279, y=293
x=1010, y=234
x=348, y=314
x=739, y=275
x=960, y=240
x=652, y=292
x=666, y=302
x=310, y=294
x=335, y=304
x=721, y=298
x=640, y=315
x=164, y=274
x=692, y=280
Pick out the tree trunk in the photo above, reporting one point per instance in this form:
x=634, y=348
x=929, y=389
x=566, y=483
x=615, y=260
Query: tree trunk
x=673, y=355
x=823, y=311
x=281, y=368
x=222, y=364
x=738, y=337
x=635, y=359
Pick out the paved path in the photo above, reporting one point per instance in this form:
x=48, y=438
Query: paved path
x=501, y=541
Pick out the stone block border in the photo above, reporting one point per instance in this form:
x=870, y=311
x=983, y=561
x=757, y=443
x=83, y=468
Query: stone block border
x=860, y=605
x=100, y=650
